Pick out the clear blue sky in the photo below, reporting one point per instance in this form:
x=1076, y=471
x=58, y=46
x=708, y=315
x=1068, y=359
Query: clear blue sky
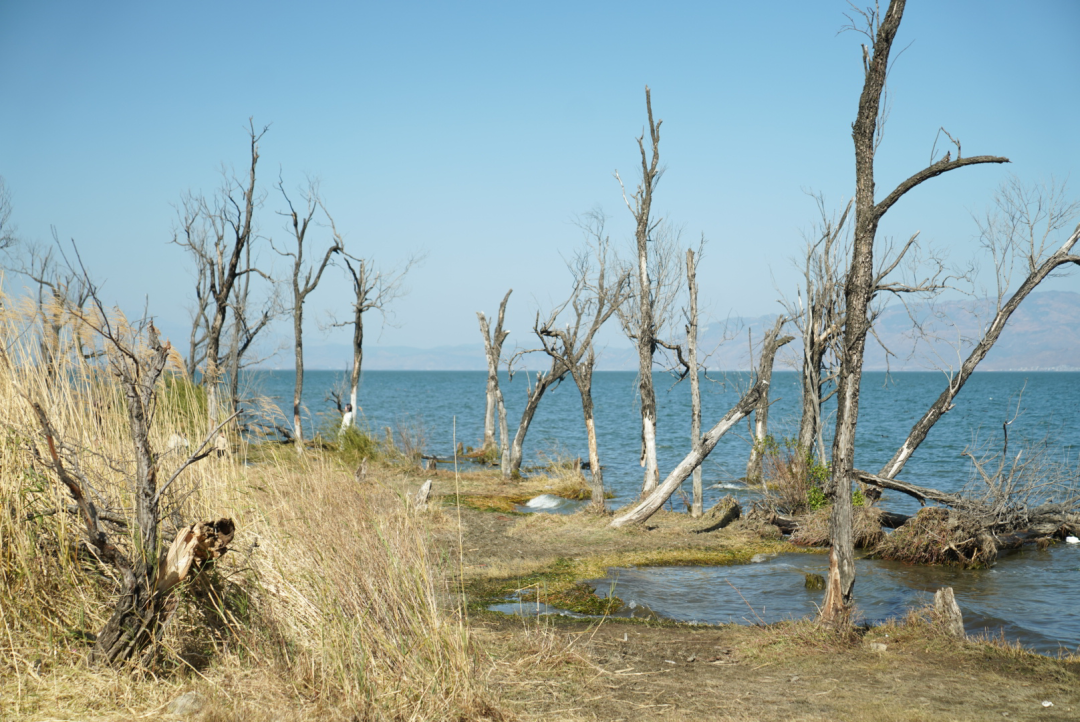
x=475, y=132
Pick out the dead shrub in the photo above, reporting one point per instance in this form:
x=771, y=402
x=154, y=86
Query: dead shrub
x=940, y=536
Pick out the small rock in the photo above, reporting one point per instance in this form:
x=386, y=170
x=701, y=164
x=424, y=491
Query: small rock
x=815, y=581
x=185, y=704
x=878, y=647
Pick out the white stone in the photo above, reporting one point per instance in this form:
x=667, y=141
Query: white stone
x=185, y=704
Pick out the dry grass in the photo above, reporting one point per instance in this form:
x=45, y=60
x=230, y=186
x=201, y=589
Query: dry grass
x=940, y=536
x=814, y=528
x=332, y=605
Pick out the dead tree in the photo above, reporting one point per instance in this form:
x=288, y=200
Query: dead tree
x=373, y=290
x=1021, y=232
x=818, y=313
x=598, y=293
x=696, y=508
x=216, y=232
x=302, y=283
x=642, y=325
x=541, y=384
x=493, y=343
x=859, y=291
x=149, y=572
x=652, y=503
x=761, y=410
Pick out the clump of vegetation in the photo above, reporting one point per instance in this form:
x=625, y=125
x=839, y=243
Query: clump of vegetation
x=355, y=445
x=813, y=529
x=794, y=478
x=940, y=536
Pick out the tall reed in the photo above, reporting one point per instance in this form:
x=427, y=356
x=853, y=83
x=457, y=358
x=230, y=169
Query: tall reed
x=333, y=604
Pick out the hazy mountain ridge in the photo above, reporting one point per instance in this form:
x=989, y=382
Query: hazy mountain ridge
x=1042, y=335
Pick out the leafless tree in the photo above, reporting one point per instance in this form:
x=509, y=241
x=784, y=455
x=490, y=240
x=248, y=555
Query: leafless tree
x=818, y=313
x=216, y=231
x=818, y=308
x=304, y=280
x=1021, y=232
x=655, y=267
x=373, y=290
x=696, y=508
x=493, y=343
x=859, y=290
x=248, y=321
x=542, y=382
x=149, y=574
x=652, y=502
x=599, y=291
x=244, y=320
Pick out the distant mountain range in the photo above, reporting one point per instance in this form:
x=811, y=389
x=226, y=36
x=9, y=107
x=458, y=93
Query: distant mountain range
x=1042, y=335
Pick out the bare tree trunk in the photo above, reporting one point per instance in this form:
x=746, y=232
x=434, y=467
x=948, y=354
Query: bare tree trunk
x=493, y=351
x=358, y=360
x=650, y=504
x=696, y=509
x=504, y=436
x=761, y=412
x=298, y=389
x=858, y=292
x=489, y=411
x=810, y=422
x=583, y=378
x=646, y=323
x=543, y=381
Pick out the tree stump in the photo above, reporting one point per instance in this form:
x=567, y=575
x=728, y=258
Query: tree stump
x=947, y=613
x=420, y=501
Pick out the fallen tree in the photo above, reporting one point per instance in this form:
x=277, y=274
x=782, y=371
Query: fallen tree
x=656, y=499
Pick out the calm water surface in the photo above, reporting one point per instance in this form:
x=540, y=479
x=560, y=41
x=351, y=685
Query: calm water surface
x=1033, y=596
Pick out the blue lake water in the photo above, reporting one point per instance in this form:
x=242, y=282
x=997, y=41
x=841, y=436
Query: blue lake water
x=1027, y=594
